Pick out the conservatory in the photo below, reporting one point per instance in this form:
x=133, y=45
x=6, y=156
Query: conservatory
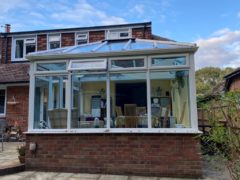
x=114, y=107
x=114, y=86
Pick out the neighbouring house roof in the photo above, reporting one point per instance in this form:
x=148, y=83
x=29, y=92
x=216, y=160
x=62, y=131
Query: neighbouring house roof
x=230, y=77
x=14, y=73
x=135, y=25
x=115, y=47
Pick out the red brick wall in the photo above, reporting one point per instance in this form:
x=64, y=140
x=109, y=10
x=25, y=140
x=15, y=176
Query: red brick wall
x=6, y=51
x=235, y=85
x=96, y=36
x=142, y=33
x=41, y=42
x=68, y=39
x=132, y=154
x=17, y=114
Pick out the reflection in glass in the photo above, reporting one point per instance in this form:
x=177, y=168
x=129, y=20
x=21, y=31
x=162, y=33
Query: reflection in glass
x=89, y=109
x=169, y=61
x=50, y=102
x=170, y=99
x=129, y=100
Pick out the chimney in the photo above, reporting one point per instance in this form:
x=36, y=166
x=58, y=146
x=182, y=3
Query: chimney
x=7, y=28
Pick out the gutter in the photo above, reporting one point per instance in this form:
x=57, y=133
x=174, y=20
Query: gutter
x=112, y=54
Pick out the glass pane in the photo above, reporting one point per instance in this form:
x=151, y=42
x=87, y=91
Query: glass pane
x=89, y=109
x=19, y=49
x=51, y=66
x=30, y=48
x=170, y=99
x=89, y=65
x=169, y=61
x=54, y=45
x=128, y=100
x=127, y=63
x=2, y=101
x=49, y=105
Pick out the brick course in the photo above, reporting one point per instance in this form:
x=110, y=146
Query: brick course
x=17, y=115
x=41, y=42
x=68, y=39
x=96, y=36
x=132, y=154
x=142, y=33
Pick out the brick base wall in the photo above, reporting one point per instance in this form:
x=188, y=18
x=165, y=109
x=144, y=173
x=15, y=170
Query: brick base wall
x=130, y=154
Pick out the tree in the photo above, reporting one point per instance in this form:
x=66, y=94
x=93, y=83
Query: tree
x=207, y=78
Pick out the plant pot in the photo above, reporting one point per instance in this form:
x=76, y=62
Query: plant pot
x=21, y=159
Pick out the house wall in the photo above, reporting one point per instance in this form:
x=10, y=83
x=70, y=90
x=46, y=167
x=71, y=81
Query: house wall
x=68, y=39
x=17, y=115
x=129, y=154
x=235, y=85
x=41, y=42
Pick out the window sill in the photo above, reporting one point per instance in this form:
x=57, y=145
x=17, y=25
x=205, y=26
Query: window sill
x=118, y=130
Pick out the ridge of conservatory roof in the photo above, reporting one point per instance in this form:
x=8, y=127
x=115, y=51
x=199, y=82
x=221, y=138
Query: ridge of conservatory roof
x=108, y=46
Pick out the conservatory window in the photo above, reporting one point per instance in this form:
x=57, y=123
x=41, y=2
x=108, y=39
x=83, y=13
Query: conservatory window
x=61, y=66
x=170, y=99
x=127, y=63
x=98, y=64
x=50, y=102
x=169, y=61
x=129, y=100
x=89, y=108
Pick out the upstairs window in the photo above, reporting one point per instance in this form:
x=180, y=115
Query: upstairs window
x=119, y=34
x=23, y=46
x=81, y=38
x=54, y=41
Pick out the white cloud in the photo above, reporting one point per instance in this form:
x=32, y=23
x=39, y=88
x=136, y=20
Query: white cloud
x=222, y=49
x=238, y=14
x=138, y=9
x=84, y=13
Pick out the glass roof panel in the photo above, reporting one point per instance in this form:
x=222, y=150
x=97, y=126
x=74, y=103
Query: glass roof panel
x=84, y=48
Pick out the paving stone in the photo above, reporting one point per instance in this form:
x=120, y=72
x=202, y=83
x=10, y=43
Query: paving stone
x=26, y=173
x=67, y=175
x=86, y=176
x=12, y=177
x=142, y=178
x=113, y=177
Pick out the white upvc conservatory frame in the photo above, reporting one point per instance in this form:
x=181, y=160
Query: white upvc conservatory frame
x=191, y=90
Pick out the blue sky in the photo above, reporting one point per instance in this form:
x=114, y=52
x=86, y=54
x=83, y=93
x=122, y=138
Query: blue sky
x=214, y=25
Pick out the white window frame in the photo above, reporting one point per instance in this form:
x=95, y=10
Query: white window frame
x=76, y=39
x=104, y=60
x=192, y=101
x=118, y=31
x=187, y=65
x=127, y=58
x=53, y=34
x=5, y=101
x=50, y=62
x=14, y=39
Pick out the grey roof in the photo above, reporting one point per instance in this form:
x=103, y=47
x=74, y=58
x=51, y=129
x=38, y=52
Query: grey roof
x=109, y=46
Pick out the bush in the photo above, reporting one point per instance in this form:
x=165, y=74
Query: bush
x=21, y=150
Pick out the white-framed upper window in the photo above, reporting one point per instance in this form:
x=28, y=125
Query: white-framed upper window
x=81, y=38
x=169, y=61
x=127, y=63
x=119, y=33
x=96, y=64
x=23, y=46
x=2, y=101
x=54, y=41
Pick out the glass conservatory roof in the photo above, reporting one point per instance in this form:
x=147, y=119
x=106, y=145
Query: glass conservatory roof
x=115, y=46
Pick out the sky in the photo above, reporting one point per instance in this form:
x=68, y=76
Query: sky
x=212, y=24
